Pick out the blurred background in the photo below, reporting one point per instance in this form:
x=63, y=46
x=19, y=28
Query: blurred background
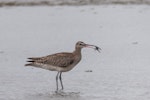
x=35, y=28
x=69, y=2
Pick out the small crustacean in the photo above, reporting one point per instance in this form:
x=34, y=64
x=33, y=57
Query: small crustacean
x=97, y=48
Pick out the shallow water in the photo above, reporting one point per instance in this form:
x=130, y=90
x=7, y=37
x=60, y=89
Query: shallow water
x=55, y=96
x=120, y=72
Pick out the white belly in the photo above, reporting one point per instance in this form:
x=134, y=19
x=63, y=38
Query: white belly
x=55, y=68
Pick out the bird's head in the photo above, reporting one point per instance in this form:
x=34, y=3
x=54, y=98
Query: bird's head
x=80, y=45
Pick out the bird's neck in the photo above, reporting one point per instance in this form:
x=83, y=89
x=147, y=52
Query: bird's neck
x=77, y=51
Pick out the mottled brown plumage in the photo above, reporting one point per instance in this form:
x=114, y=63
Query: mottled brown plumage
x=56, y=62
x=60, y=62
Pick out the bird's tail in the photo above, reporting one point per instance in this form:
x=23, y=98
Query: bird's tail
x=30, y=64
x=32, y=60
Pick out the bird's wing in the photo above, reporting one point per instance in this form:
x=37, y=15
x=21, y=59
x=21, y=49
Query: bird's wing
x=59, y=59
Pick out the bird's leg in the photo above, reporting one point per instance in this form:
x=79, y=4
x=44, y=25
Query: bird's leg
x=57, y=81
x=61, y=80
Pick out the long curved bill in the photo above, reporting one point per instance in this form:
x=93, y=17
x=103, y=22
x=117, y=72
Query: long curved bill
x=93, y=47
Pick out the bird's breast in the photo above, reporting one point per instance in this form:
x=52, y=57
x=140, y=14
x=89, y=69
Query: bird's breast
x=71, y=66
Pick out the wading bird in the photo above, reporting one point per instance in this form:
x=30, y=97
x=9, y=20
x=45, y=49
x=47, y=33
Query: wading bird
x=60, y=62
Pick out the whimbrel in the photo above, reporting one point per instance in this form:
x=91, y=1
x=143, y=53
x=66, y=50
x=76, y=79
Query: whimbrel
x=60, y=62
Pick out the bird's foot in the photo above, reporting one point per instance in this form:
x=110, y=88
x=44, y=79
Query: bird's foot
x=59, y=91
